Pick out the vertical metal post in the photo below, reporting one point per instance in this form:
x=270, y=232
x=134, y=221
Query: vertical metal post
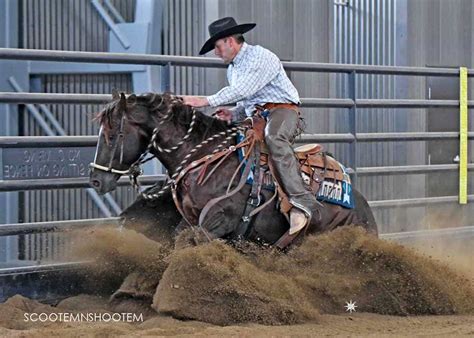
x=353, y=125
x=9, y=38
x=463, y=131
x=166, y=77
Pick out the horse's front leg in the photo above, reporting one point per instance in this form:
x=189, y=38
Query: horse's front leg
x=216, y=223
x=220, y=219
x=190, y=236
x=219, y=222
x=156, y=218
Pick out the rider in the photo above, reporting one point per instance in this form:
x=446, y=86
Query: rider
x=256, y=77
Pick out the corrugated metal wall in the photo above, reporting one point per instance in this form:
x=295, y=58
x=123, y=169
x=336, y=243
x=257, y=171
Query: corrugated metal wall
x=183, y=34
x=365, y=33
x=66, y=25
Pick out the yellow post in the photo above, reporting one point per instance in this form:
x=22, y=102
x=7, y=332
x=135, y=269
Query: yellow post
x=463, y=129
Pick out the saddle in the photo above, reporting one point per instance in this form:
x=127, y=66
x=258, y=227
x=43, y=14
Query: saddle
x=316, y=165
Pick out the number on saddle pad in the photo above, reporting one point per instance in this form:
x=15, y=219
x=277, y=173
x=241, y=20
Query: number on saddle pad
x=325, y=175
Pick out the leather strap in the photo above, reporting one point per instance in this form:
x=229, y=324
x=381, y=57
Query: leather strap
x=214, y=201
x=195, y=164
x=285, y=205
x=177, y=203
x=209, y=159
x=272, y=105
x=286, y=239
x=253, y=200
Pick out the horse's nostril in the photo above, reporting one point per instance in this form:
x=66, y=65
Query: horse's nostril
x=96, y=183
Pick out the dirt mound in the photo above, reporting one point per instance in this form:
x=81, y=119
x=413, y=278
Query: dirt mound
x=220, y=284
x=383, y=277
x=14, y=309
x=216, y=284
x=84, y=303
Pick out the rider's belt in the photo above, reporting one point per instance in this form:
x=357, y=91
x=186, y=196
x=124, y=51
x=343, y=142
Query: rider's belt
x=272, y=105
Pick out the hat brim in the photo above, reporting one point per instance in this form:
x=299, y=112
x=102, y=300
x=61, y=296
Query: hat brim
x=239, y=29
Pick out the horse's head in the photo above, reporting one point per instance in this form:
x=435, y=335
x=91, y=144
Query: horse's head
x=125, y=131
x=128, y=125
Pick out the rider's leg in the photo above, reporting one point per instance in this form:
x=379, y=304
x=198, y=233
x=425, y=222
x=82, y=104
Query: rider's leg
x=279, y=136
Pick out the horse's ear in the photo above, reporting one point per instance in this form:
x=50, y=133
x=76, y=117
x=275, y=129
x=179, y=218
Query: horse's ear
x=132, y=99
x=115, y=94
x=166, y=96
x=123, y=102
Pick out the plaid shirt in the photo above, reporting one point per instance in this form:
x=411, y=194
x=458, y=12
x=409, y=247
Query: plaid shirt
x=255, y=76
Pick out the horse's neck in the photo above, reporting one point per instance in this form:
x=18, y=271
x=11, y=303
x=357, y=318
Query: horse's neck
x=174, y=160
x=195, y=146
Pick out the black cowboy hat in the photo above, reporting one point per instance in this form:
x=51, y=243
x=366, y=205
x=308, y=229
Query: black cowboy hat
x=222, y=28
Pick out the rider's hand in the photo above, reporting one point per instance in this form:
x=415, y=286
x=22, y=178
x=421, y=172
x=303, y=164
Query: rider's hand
x=223, y=114
x=195, y=101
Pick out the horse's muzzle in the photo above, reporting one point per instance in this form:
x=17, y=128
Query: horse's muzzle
x=103, y=182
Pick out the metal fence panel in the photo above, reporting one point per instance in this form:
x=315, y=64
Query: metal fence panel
x=74, y=26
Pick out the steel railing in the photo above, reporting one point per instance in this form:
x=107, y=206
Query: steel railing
x=173, y=60
x=351, y=103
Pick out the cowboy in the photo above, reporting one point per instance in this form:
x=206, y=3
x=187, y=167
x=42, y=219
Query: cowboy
x=256, y=77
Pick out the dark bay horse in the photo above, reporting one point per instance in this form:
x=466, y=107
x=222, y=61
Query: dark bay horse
x=177, y=135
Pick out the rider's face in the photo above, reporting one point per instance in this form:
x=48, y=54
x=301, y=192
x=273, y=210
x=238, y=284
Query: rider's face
x=224, y=48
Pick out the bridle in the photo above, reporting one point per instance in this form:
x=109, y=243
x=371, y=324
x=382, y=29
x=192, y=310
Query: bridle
x=118, y=140
x=134, y=170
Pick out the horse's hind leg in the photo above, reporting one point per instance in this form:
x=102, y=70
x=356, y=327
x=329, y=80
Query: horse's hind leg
x=364, y=213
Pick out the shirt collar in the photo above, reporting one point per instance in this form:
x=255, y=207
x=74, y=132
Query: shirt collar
x=238, y=58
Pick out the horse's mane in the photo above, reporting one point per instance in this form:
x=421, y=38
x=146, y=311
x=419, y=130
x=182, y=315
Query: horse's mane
x=167, y=106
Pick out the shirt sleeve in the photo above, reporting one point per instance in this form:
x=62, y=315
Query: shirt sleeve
x=260, y=71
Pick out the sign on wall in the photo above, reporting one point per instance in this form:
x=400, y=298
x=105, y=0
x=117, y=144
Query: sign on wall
x=45, y=163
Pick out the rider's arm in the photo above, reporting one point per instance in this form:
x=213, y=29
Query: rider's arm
x=258, y=73
x=238, y=112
